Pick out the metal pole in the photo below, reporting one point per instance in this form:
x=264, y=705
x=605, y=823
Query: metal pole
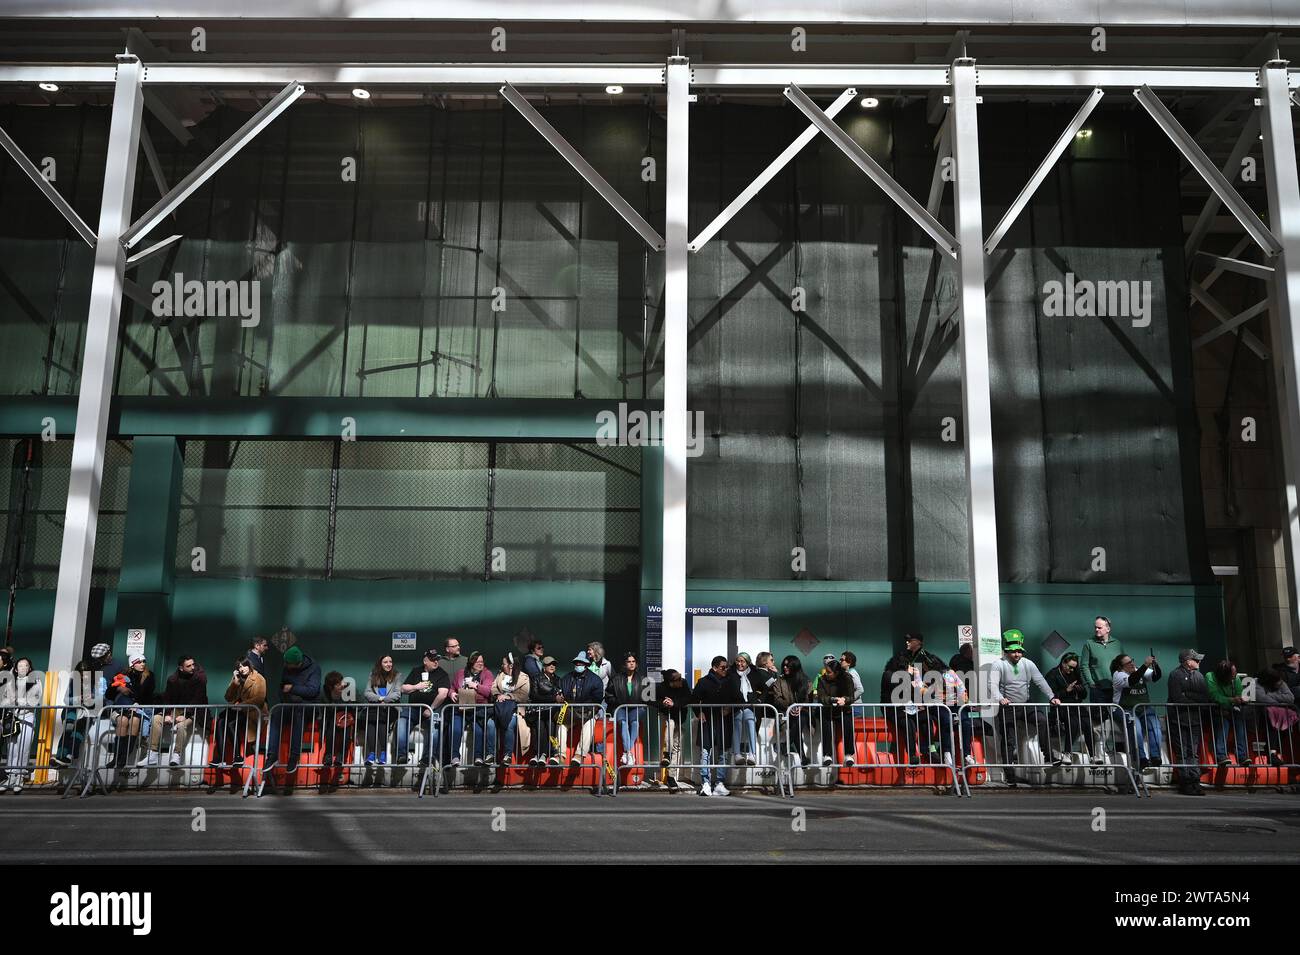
x=675, y=329
x=81, y=516
x=977, y=418
x=1284, y=218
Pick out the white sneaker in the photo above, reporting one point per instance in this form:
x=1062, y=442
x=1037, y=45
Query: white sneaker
x=721, y=790
x=626, y=759
x=704, y=790
x=749, y=759
x=175, y=759
x=849, y=762
x=16, y=784
x=151, y=759
x=970, y=760
x=795, y=760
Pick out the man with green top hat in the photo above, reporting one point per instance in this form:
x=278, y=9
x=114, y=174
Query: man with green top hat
x=1009, y=682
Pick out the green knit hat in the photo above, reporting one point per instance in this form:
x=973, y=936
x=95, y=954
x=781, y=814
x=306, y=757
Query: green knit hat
x=293, y=656
x=1013, y=640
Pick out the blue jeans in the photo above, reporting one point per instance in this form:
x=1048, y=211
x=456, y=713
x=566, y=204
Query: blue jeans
x=484, y=726
x=1238, y=735
x=743, y=728
x=1143, y=733
x=296, y=721
x=946, y=721
x=451, y=742
x=508, y=736
x=408, y=715
x=629, y=722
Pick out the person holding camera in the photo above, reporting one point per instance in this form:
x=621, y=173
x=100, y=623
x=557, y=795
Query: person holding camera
x=835, y=694
x=1070, y=686
x=1131, y=684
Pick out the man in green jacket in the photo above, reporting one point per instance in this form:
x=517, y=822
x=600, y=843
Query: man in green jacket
x=1095, y=659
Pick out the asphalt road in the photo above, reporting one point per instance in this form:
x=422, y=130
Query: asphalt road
x=876, y=827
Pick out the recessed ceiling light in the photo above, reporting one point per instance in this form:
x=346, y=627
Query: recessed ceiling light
x=49, y=87
x=613, y=90
x=359, y=93
x=870, y=102
x=1083, y=134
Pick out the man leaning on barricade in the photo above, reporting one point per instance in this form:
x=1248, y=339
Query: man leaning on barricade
x=1009, y=682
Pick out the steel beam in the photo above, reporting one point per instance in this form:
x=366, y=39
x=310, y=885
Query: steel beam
x=145, y=254
x=81, y=516
x=1231, y=324
x=208, y=168
x=1245, y=142
x=1224, y=317
x=676, y=329
x=768, y=174
x=1045, y=167
x=873, y=169
x=943, y=149
x=1216, y=180
x=977, y=415
x=1155, y=77
x=1240, y=266
x=151, y=157
x=43, y=184
x=345, y=76
x=583, y=168
x=1283, y=183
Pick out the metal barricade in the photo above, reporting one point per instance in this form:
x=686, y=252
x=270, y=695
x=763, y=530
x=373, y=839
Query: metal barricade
x=174, y=747
x=338, y=738
x=711, y=740
x=43, y=747
x=1250, y=744
x=873, y=745
x=531, y=745
x=1036, y=744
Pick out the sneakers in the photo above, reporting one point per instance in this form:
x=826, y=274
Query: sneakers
x=626, y=759
x=17, y=785
x=4, y=785
x=536, y=761
x=1058, y=761
x=383, y=759
x=575, y=760
x=150, y=759
x=58, y=759
x=370, y=760
x=827, y=761
x=721, y=790
x=554, y=761
x=849, y=762
x=478, y=761
x=740, y=759
x=237, y=763
x=704, y=790
x=970, y=760
x=795, y=760
x=507, y=760
x=174, y=759
x=1224, y=763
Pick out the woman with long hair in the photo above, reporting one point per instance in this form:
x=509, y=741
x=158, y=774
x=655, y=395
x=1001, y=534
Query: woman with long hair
x=509, y=692
x=473, y=687
x=791, y=689
x=625, y=691
x=1275, y=713
x=385, y=688
x=133, y=690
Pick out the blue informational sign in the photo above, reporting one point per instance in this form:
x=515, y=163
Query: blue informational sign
x=404, y=639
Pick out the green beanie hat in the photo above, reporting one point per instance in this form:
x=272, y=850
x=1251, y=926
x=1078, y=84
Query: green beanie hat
x=293, y=656
x=1013, y=640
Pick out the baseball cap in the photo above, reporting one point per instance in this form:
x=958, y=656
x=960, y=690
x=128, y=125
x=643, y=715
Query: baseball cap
x=1287, y=651
x=432, y=655
x=1189, y=654
x=547, y=661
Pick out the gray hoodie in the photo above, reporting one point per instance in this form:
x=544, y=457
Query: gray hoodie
x=1012, y=682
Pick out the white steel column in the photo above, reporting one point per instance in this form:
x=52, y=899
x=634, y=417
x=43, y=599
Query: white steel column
x=977, y=418
x=675, y=328
x=81, y=516
x=1284, y=222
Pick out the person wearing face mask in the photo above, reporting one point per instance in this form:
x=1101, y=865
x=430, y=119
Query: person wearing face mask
x=583, y=689
x=1009, y=682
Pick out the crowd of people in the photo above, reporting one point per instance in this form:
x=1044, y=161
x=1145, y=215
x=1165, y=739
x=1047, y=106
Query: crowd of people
x=529, y=711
